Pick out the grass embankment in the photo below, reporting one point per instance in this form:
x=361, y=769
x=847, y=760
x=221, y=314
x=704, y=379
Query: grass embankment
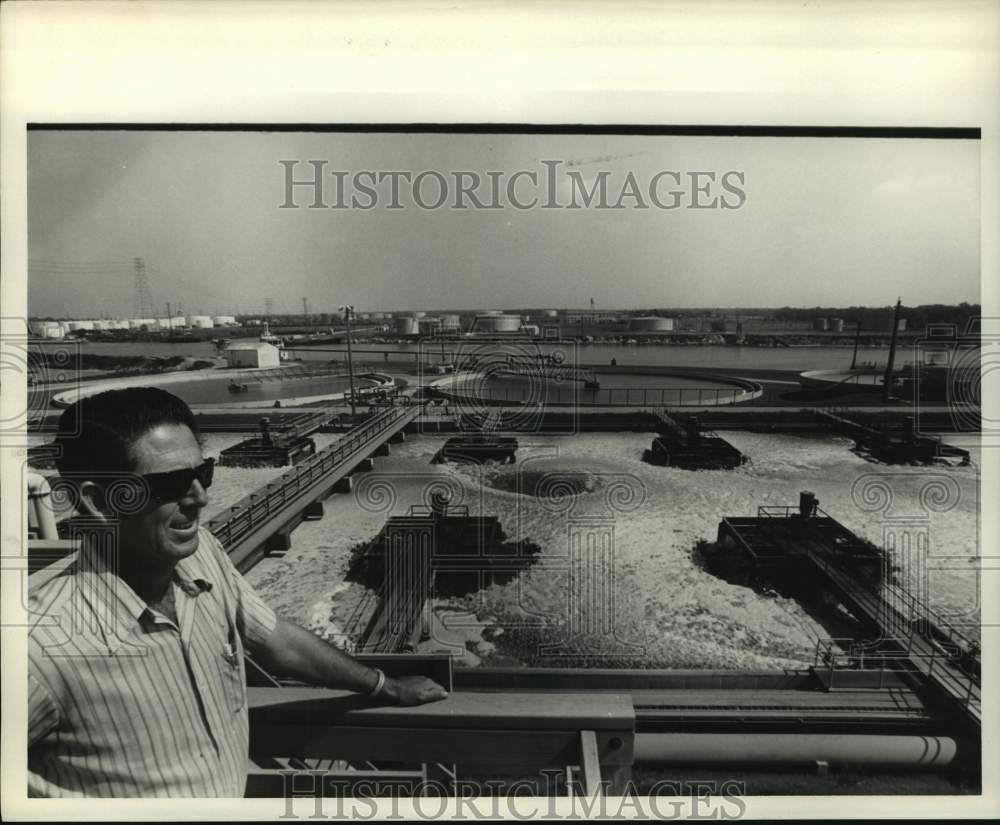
x=88, y=366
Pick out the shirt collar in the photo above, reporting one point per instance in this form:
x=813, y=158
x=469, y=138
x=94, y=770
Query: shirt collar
x=116, y=607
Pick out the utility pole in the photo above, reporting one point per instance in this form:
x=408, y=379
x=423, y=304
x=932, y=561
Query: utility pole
x=348, y=310
x=887, y=381
x=305, y=310
x=857, y=337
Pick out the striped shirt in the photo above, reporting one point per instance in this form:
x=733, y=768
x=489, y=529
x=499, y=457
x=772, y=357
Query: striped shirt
x=124, y=702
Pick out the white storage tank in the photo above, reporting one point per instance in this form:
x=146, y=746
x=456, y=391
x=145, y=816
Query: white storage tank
x=451, y=322
x=428, y=325
x=550, y=313
x=406, y=326
x=419, y=314
x=820, y=324
x=200, y=321
x=498, y=323
x=491, y=312
x=650, y=323
x=55, y=331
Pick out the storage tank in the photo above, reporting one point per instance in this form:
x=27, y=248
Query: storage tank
x=419, y=314
x=887, y=325
x=820, y=324
x=836, y=324
x=498, y=323
x=406, y=326
x=550, y=313
x=53, y=332
x=491, y=312
x=650, y=323
x=451, y=322
x=200, y=321
x=100, y=324
x=428, y=325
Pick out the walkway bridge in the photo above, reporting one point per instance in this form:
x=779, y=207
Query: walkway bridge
x=262, y=520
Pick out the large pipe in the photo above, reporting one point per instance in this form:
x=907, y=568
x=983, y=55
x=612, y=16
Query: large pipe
x=41, y=519
x=791, y=748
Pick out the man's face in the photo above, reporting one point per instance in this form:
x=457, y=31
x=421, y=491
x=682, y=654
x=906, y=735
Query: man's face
x=167, y=531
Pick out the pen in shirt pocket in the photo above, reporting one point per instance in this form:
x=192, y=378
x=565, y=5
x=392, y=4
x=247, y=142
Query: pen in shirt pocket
x=229, y=653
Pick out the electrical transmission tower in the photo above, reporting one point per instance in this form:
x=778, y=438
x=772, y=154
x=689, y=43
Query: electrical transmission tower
x=142, y=299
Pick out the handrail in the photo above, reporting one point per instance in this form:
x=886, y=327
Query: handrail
x=242, y=516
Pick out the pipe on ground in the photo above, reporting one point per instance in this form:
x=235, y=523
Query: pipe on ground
x=781, y=748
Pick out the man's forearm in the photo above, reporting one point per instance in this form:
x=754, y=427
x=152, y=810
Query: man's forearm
x=293, y=651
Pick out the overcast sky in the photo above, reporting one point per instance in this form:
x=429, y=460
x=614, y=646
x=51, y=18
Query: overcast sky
x=826, y=221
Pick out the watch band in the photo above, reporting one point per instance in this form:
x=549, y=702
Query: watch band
x=379, y=684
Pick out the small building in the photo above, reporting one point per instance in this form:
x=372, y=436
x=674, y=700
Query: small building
x=253, y=354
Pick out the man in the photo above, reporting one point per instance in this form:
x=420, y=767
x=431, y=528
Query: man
x=136, y=669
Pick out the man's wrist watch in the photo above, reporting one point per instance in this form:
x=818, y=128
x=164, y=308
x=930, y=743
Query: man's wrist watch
x=375, y=691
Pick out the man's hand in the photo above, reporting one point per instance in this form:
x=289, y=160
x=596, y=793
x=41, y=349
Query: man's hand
x=412, y=690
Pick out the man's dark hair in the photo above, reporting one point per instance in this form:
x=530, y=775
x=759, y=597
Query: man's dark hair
x=96, y=434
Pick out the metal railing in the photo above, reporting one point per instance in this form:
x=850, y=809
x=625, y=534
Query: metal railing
x=268, y=501
x=608, y=396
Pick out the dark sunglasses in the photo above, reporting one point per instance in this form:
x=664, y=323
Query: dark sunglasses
x=176, y=484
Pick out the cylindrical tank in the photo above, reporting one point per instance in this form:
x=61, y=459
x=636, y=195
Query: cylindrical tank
x=820, y=324
x=55, y=331
x=550, y=313
x=101, y=324
x=450, y=322
x=200, y=321
x=497, y=323
x=651, y=323
x=836, y=324
x=406, y=326
x=78, y=325
x=428, y=325
x=39, y=327
x=419, y=314
x=491, y=312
